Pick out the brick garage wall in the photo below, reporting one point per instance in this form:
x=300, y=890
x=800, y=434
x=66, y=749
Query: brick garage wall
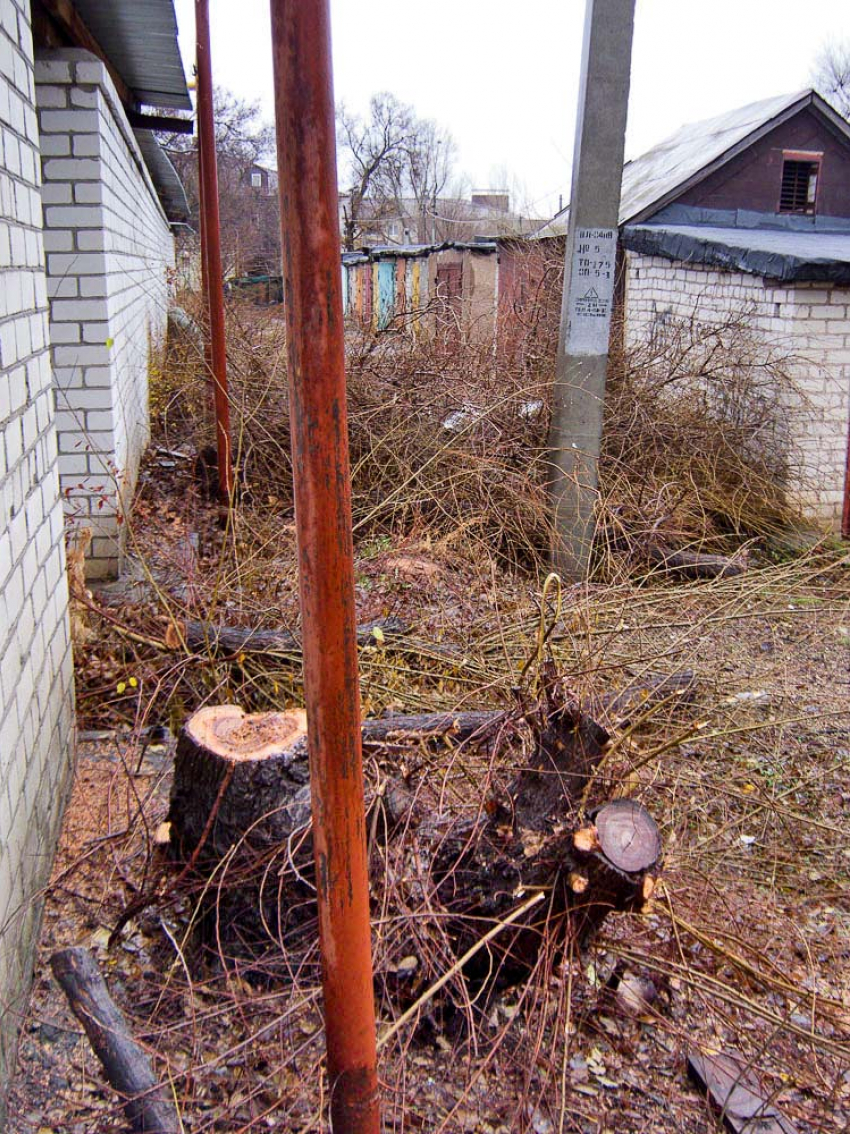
x=109, y=252
x=35, y=657
x=811, y=322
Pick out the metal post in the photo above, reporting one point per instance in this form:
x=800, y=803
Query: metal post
x=306, y=154
x=589, y=271
x=211, y=246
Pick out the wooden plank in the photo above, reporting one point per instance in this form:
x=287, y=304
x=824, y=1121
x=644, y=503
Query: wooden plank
x=735, y=1092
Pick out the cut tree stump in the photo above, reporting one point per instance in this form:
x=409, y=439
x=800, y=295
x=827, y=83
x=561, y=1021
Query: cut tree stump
x=147, y=1104
x=238, y=777
x=241, y=797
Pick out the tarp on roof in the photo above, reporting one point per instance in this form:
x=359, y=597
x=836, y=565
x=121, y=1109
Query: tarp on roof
x=785, y=256
x=140, y=39
x=686, y=157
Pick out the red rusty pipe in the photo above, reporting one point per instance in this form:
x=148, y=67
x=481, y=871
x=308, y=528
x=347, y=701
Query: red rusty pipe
x=306, y=155
x=211, y=245
x=205, y=289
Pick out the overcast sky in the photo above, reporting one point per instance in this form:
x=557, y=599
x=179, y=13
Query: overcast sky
x=503, y=76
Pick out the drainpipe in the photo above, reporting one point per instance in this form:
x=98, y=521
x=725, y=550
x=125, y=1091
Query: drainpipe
x=306, y=155
x=211, y=247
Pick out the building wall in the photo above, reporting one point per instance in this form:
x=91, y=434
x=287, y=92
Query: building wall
x=752, y=180
x=35, y=657
x=109, y=251
x=809, y=322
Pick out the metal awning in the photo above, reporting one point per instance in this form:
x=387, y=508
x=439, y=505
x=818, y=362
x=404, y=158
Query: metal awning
x=140, y=39
x=169, y=187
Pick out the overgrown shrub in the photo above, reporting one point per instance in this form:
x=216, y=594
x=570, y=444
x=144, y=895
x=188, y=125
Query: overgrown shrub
x=448, y=431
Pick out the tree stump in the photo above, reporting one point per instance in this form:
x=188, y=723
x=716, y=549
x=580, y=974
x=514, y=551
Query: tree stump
x=239, y=778
x=241, y=797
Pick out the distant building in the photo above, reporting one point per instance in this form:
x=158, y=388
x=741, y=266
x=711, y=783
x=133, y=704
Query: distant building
x=262, y=179
x=409, y=221
x=445, y=289
x=749, y=213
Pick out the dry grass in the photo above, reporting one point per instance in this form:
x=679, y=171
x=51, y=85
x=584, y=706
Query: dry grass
x=744, y=943
x=448, y=436
x=745, y=940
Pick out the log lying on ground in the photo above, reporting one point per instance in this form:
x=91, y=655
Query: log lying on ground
x=147, y=1104
x=220, y=639
x=241, y=792
x=696, y=564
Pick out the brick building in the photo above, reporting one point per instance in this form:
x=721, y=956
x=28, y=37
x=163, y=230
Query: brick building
x=748, y=215
x=85, y=248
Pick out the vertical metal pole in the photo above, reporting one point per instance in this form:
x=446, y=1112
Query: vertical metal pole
x=589, y=276
x=845, y=514
x=306, y=152
x=205, y=289
x=211, y=245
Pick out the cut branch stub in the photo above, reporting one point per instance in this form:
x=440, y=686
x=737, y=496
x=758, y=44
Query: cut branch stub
x=619, y=855
x=628, y=836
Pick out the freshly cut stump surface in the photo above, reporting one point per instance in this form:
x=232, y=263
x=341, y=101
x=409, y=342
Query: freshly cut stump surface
x=628, y=835
x=239, y=776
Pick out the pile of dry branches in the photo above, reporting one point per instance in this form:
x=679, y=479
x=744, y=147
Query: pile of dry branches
x=449, y=435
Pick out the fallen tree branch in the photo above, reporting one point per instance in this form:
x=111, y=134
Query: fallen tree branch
x=696, y=564
x=216, y=638
x=147, y=1104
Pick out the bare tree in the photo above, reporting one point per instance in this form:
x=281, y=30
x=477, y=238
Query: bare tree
x=831, y=75
x=396, y=164
x=250, y=231
x=370, y=146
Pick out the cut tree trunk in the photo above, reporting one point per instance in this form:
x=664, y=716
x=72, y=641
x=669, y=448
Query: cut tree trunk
x=211, y=637
x=696, y=564
x=241, y=796
x=147, y=1104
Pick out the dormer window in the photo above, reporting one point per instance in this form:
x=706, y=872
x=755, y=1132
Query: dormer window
x=800, y=176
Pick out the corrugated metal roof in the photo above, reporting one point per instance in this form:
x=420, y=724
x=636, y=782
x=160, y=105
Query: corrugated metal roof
x=140, y=39
x=695, y=150
x=776, y=254
x=168, y=185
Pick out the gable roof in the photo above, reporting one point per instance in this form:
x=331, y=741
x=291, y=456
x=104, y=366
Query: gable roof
x=696, y=150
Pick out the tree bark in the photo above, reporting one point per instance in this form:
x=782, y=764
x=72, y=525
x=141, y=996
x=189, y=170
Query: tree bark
x=147, y=1104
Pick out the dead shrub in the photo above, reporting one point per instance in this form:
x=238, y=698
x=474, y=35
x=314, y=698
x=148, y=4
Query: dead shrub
x=448, y=430
x=697, y=447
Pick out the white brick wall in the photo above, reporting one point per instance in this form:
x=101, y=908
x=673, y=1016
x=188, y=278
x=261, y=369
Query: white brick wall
x=810, y=322
x=35, y=658
x=109, y=248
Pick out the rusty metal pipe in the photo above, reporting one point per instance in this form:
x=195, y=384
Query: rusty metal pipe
x=205, y=292
x=306, y=154
x=211, y=246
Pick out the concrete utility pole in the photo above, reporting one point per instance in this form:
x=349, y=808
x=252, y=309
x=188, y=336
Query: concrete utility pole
x=579, y=395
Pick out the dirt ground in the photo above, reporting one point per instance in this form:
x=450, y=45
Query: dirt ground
x=745, y=947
